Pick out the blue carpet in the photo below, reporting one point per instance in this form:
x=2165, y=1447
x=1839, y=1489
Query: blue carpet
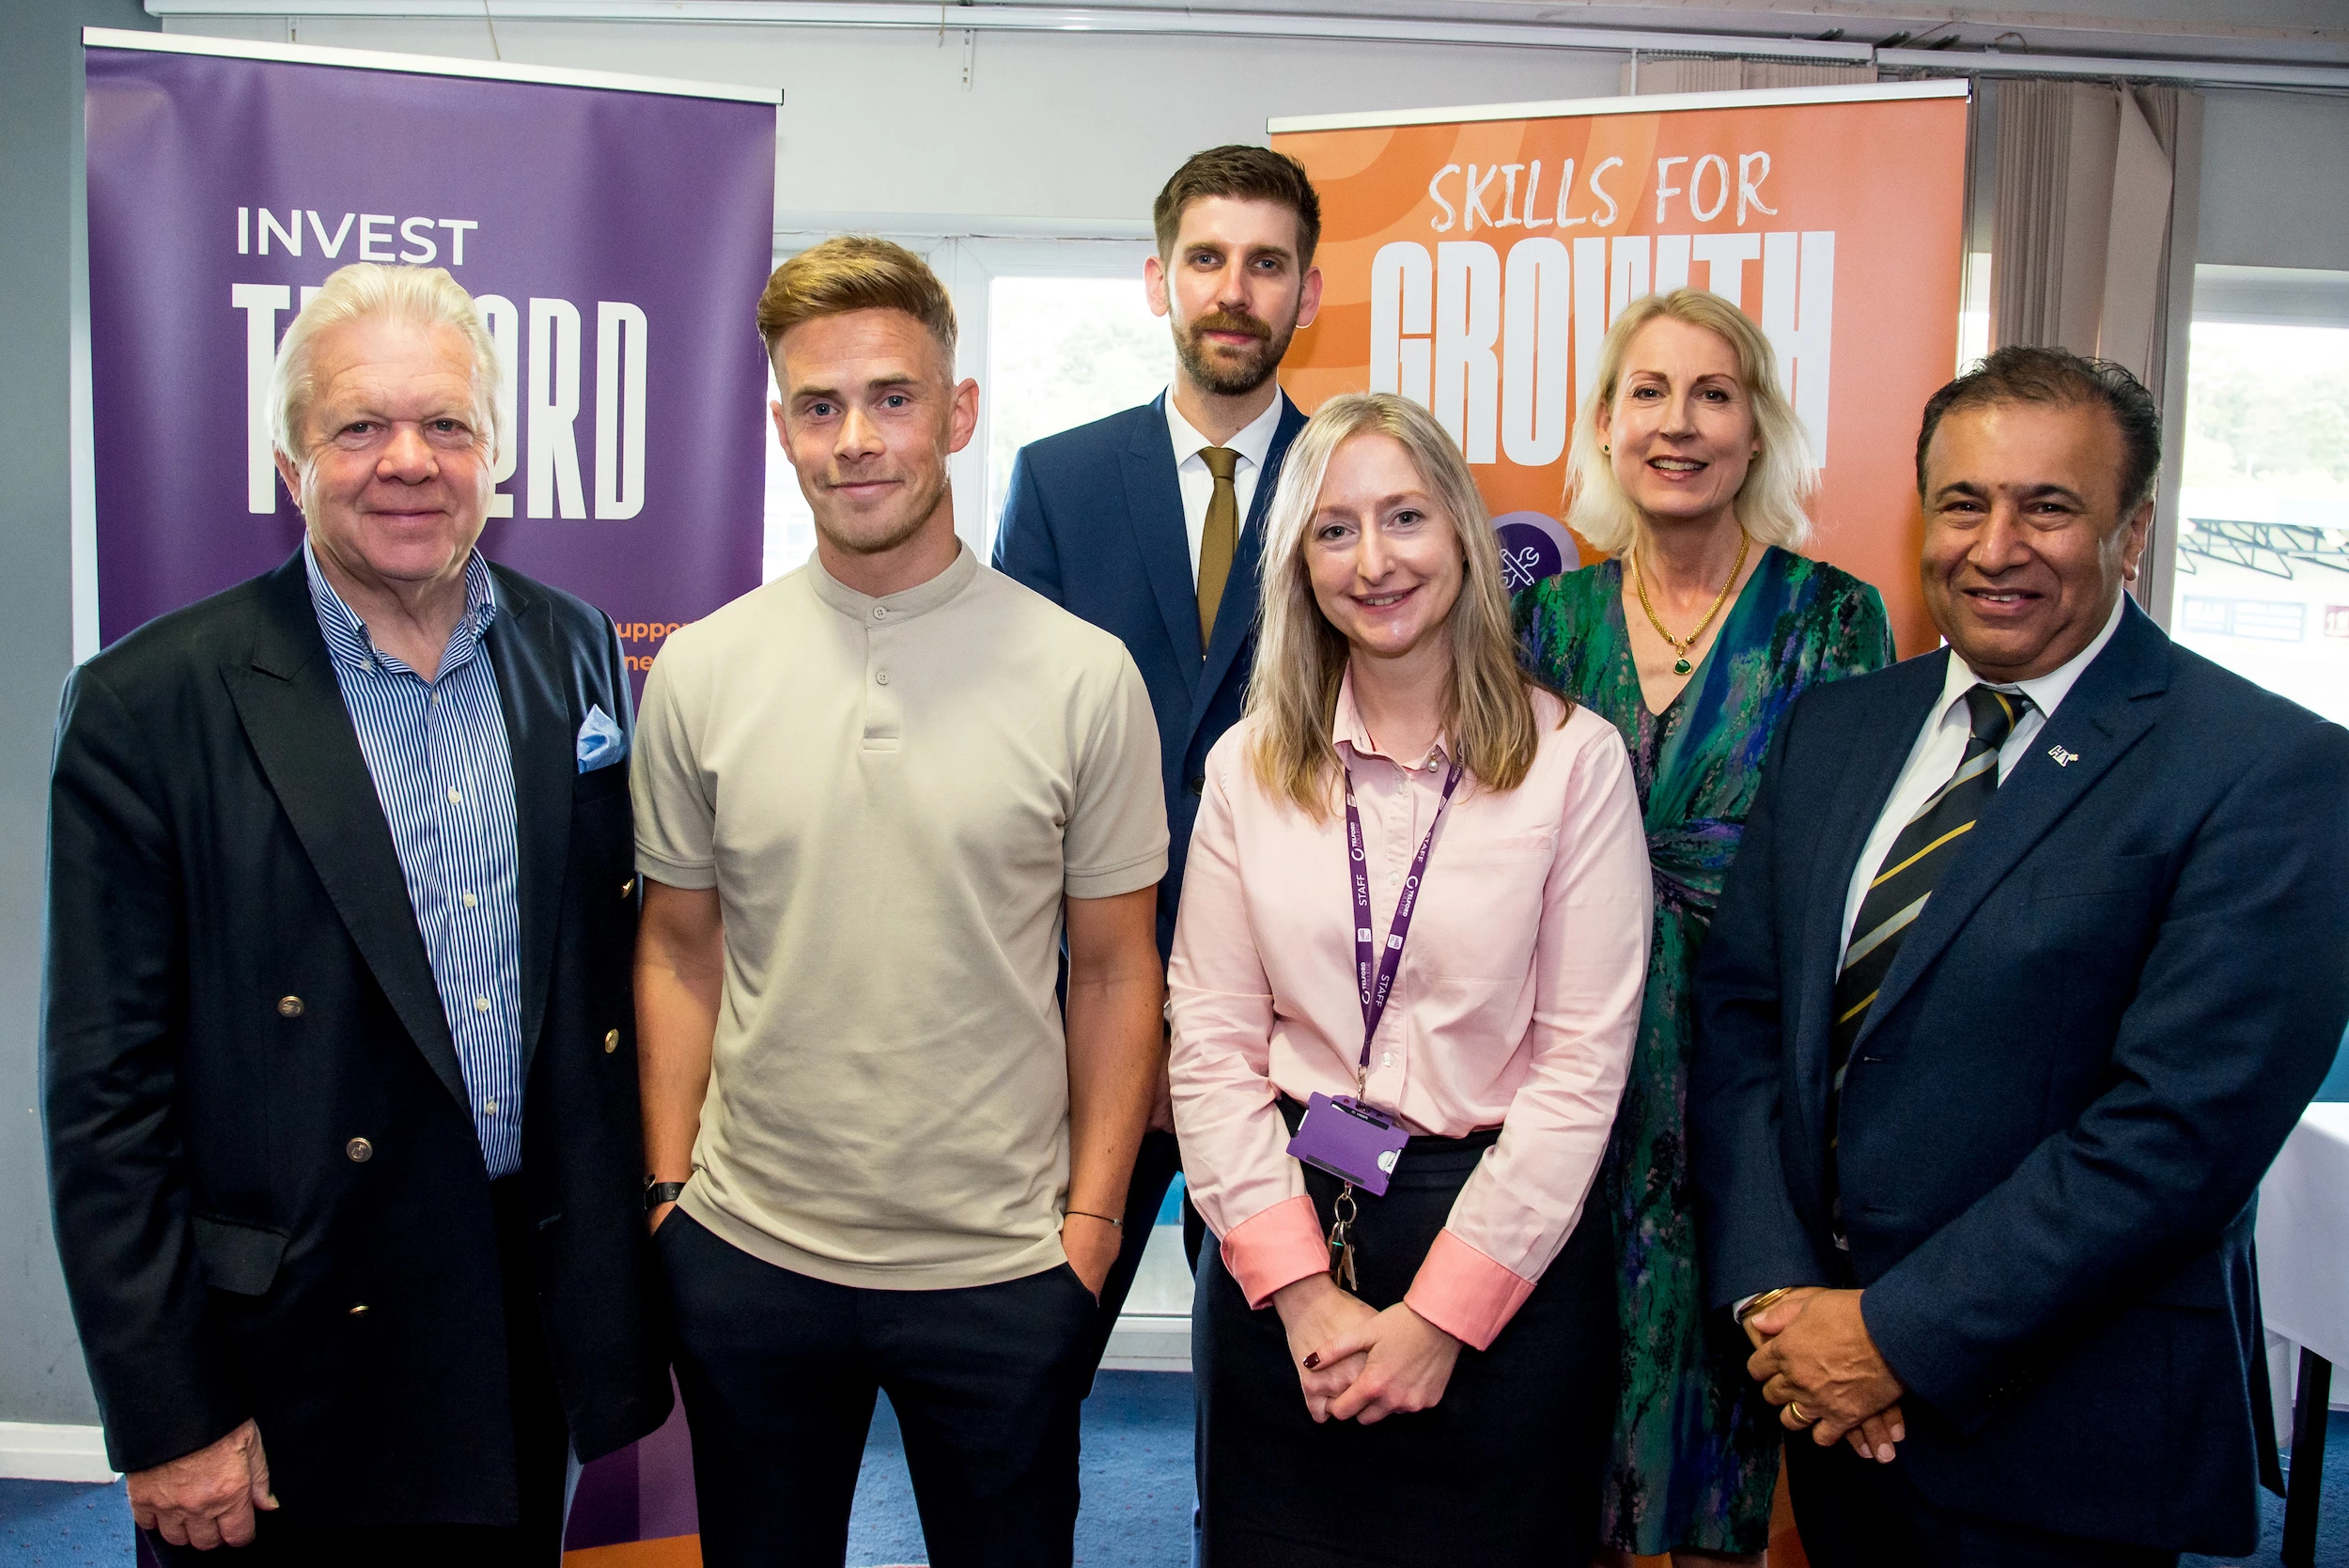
x=2332, y=1517
x=1136, y=1478
x=56, y=1525
x=1137, y=1496
x=1135, y=1474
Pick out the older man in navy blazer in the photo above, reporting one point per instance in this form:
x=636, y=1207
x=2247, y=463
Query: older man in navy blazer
x=2031, y=960
x=1148, y=523
x=338, y=1057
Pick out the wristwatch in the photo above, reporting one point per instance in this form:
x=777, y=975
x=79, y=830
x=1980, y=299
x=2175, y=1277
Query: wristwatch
x=658, y=1193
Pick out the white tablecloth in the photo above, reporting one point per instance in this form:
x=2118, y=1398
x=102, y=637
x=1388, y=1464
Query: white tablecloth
x=2304, y=1235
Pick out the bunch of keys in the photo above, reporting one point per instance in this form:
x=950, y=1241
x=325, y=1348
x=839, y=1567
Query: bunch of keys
x=1342, y=1242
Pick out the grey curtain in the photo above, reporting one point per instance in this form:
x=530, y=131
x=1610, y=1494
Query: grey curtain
x=2096, y=201
x=1710, y=76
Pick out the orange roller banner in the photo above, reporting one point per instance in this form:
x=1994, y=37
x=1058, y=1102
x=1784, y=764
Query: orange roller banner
x=1472, y=260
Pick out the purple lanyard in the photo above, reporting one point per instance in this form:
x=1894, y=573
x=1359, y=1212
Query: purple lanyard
x=1375, y=980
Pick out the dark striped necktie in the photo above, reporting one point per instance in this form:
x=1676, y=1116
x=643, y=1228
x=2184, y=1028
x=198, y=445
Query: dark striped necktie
x=1897, y=897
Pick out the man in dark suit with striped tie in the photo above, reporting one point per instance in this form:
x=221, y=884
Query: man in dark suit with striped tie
x=2031, y=960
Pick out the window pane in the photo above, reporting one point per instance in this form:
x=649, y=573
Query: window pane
x=2263, y=562
x=1062, y=352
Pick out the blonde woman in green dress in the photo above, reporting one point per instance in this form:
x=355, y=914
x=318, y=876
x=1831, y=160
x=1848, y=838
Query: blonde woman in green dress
x=1691, y=469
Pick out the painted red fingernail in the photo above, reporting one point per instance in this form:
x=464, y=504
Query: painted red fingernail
x=1312, y=1360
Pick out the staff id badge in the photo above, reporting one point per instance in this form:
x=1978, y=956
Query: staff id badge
x=1353, y=1142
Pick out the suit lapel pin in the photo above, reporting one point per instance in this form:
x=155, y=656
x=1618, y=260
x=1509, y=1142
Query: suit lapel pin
x=2062, y=758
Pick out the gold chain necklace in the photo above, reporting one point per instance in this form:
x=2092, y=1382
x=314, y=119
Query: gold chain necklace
x=1682, y=644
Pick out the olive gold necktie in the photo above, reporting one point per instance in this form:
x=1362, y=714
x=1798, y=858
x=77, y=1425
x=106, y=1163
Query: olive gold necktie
x=1217, y=539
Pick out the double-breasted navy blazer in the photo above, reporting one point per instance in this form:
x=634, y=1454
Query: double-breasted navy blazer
x=2101, y=1029
x=236, y=992
x=1094, y=521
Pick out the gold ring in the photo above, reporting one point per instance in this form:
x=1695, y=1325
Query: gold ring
x=1801, y=1415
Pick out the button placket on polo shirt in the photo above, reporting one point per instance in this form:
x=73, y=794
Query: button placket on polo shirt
x=884, y=713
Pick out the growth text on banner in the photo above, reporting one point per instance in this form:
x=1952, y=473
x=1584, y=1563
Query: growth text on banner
x=1474, y=263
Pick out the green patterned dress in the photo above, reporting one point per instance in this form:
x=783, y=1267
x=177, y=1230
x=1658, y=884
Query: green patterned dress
x=1695, y=1455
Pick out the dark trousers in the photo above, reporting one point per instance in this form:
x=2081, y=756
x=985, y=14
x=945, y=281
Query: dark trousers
x=541, y=1461
x=1502, y=1473
x=779, y=1372
x=1853, y=1512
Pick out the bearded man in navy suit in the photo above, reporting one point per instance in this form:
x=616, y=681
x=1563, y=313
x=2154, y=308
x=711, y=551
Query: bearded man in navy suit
x=1150, y=523
x=2029, y=962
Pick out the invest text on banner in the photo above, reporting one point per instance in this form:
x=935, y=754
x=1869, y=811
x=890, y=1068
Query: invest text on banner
x=616, y=233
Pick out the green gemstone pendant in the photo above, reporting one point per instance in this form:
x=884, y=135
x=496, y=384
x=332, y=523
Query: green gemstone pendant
x=1681, y=667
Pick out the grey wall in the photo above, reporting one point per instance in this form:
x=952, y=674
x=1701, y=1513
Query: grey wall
x=40, y=261
x=1070, y=126
x=2274, y=189
x=2275, y=181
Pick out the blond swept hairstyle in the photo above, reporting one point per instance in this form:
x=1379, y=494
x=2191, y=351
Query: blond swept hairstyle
x=1773, y=505
x=424, y=296
x=1301, y=658
x=855, y=272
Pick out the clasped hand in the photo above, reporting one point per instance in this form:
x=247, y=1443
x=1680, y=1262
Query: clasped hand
x=1356, y=1363
x=1812, y=1349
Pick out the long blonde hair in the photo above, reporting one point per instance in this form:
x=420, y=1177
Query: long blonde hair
x=1772, y=503
x=1301, y=658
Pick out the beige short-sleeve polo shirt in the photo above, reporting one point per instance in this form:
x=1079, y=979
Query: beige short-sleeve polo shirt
x=892, y=796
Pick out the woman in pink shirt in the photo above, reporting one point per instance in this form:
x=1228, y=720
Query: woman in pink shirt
x=1406, y=1378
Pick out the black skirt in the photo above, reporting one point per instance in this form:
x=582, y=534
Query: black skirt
x=1504, y=1471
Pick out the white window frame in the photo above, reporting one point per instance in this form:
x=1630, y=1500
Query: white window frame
x=2252, y=296
x=971, y=266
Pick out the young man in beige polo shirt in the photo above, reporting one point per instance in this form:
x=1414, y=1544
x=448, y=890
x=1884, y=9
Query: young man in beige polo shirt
x=872, y=797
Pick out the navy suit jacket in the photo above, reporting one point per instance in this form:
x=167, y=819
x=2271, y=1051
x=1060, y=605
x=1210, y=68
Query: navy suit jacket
x=1095, y=523
x=2095, y=1039
x=236, y=991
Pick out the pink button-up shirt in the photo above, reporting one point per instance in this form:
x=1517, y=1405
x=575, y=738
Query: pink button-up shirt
x=1514, y=1006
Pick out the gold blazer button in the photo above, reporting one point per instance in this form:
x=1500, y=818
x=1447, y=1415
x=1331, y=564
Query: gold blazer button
x=611, y=1042
x=360, y=1151
x=289, y=1007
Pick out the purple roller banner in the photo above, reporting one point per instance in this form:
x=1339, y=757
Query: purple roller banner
x=615, y=240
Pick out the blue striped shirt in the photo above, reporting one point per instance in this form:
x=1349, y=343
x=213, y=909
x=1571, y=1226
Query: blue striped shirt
x=445, y=774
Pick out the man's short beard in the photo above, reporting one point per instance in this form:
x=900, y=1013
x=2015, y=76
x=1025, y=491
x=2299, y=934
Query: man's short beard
x=1223, y=380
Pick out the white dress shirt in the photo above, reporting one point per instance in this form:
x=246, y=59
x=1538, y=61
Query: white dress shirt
x=1252, y=441
x=1940, y=746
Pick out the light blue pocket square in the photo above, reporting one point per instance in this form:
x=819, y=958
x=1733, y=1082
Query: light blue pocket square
x=600, y=742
